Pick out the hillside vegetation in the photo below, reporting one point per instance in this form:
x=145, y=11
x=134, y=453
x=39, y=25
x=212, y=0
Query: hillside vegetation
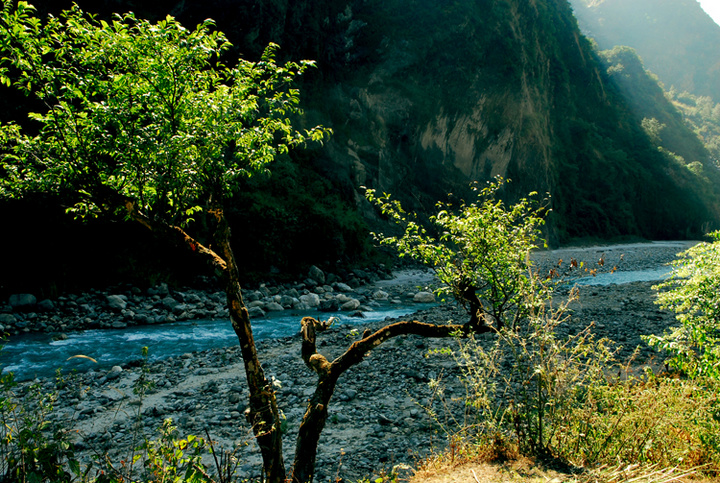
x=676, y=39
x=423, y=99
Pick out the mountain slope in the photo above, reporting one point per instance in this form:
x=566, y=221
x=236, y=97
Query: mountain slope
x=425, y=96
x=676, y=39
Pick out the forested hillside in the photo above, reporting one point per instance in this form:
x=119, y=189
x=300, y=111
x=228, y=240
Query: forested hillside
x=425, y=97
x=676, y=39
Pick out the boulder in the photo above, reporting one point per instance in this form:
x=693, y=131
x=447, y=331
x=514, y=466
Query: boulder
x=169, y=303
x=311, y=299
x=380, y=295
x=116, y=302
x=424, y=298
x=22, y=301
x=343, y=287
x=114, y=373
x=256, y=312
x=274, y=307
x=316, y=274
x=350, y=305
x=46, y=305
x=7, y=320
x=331, y=305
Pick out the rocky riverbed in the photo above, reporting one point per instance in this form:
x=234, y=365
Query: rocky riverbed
x=378, y=415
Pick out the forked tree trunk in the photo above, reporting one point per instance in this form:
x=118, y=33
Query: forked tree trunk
x=329, y=372
x=263, y=413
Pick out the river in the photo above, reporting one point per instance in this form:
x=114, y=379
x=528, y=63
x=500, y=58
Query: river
x=37, y=355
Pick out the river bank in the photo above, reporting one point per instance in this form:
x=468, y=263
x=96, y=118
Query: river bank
x=378, y=415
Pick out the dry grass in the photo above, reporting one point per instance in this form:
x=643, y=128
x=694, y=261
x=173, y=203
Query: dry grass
x=528, y=471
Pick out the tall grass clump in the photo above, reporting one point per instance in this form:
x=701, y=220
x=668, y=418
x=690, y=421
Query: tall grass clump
x=535, y=392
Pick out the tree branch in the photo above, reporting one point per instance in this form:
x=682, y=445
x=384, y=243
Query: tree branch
x=317, y=410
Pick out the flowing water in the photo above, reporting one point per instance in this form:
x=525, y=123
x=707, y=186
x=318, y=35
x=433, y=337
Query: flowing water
x=34, y=355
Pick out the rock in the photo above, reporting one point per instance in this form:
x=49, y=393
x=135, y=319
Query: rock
x=424, y=298
x=256, y=312
x=169, y=303
x=116, y=302
x=7, y=319
x=380, y=295
x=114, y=373
x=350, y=305
x=46, y=305
x=331, y=305
x=274, y=307
x=22, y=301
x=160, y=289
x=316, y=274
x=311, y=300
x=342, y=287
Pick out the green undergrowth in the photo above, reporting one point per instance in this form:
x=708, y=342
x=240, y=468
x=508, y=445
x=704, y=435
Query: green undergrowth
x=568, y=403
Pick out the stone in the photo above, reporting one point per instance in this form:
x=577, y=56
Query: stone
x=116, y=302
x=169, y=303
x=46, y=305
x=22, y=301
x=316, y=274
x=7, y=319
x=256, y=312
x=424, y=298
x=114, y=373
x=350, y=305
x=311, y=299
x=342, y=287
x=331, y=305
x=274, y=307
x=380, y=295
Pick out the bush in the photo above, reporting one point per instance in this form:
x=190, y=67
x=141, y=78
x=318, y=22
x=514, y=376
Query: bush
x=479, y=252
x=693, y=293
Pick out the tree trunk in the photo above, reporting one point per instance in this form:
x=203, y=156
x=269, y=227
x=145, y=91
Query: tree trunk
x=263, y=413
x=316, y=414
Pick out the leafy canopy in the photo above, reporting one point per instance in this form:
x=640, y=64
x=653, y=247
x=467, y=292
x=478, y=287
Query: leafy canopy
x=693, y=293
x=480, y=253
x=140, y=116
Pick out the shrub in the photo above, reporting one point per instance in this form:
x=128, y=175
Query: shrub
x=692, y=292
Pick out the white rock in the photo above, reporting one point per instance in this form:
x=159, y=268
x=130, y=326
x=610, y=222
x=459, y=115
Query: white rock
x=424, y=298
x=311, y=299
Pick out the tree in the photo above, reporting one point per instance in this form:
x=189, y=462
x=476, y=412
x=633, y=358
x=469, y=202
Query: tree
x=693, y=293
x=146, y=120
x=481, y=254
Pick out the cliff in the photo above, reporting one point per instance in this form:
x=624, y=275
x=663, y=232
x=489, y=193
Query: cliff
x=425, y=96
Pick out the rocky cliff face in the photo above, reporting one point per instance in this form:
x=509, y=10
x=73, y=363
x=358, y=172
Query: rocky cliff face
x=425, y=96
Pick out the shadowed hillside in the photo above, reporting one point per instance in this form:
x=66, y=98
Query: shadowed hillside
x=425, y=97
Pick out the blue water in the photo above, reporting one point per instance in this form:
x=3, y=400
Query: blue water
x=34, y=355
x=37, y=355
x=649, y=275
